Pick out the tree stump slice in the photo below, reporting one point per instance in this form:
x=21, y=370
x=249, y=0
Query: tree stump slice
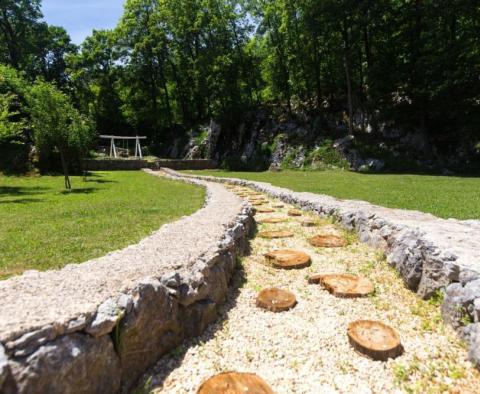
x=294, y=212
x=256, y=203
x=278, y=205
x=265, y=210
x=288, y=259
x=308, y=222
x=276, y=300
x=275, y=234
x=235, y=383
x=314, y=279
x=346, y=286
x=272, y=220
x=328, y=241
x=374, y=339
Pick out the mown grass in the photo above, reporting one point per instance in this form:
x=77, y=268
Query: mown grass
x=42, y=226
x=443, y=196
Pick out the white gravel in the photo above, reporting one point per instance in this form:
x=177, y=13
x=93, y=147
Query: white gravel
x=306, y=349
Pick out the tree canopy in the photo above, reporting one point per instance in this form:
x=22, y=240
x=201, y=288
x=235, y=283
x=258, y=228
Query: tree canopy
x=170, y=65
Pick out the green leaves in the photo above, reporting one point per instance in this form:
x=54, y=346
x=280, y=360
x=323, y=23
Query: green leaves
x=56, y=124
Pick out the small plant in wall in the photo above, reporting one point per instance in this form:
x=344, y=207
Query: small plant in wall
x=57, y=125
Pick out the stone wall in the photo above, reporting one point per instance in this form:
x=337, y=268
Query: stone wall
x=431, y=254
x=96, y=327
x=131, y=164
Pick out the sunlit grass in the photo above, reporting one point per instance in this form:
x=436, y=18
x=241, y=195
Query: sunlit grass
x=44, y=227
x=447, y=197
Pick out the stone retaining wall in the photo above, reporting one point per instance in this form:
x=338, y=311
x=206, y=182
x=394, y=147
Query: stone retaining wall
x=131, y=165
x=96, y=327
x=430, y=253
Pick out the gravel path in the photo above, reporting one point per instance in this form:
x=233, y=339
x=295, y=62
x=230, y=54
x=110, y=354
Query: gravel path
x=50, y=300
x=306, y=350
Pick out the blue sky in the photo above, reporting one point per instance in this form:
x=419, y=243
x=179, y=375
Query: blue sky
x=80, y=17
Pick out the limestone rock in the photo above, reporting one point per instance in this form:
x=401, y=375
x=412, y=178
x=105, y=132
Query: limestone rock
x=4, y=368
x=472, y=337
x=107, y=316
x=70, y=364
x=148, y=331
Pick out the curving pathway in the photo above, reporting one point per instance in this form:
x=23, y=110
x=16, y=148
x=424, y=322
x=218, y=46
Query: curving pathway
x=306, y=349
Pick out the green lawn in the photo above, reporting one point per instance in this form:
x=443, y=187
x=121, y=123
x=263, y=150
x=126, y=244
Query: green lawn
x=442, y=196
x=44, y=227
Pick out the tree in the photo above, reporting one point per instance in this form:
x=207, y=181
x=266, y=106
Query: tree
x=13, y=116
x=57, y=125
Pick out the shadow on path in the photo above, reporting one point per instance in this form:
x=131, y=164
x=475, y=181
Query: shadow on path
x=156, y=376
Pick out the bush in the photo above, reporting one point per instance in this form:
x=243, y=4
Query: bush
x=13, y=121
x=325, y=156
x=58, y=127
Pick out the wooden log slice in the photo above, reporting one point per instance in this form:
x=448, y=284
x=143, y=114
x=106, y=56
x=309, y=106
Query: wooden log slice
x=347, y=286
x=272, y=220
x=256, y=203
x=288, y=259
x=276, y=300
x=235, y=383
x=374, y=339
x=308, y=222
x=264, y=210
x=294, y=212
x=275, y=234
x=315, y=279
x=278, y=205
x=327, y=241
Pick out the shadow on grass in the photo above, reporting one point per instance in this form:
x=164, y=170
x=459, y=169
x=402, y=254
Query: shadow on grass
x=21, y=190
x=21, y=201
x=100, y=181
x=86, y=190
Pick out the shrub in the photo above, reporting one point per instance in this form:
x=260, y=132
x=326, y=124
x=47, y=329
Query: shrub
x=58, y=127
x=325, y=156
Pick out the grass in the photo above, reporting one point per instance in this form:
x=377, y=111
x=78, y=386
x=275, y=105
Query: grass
x=45, y=227
x=443, y=196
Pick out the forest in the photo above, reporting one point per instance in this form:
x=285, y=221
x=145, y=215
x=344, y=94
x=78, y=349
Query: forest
x=171, y=66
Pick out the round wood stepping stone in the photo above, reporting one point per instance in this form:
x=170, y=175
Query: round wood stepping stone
x=308, y=222
x=235, y=383
x=278, y=205
x=374, y=339
x=344, y=285
x=314, y=279
x=275, y=234
x=256, y=203
x=294, y=212
x=327, y=241
x=257, y=199
x=288, y=259
x=272, y=220
x=276, y=300
x=264, y=210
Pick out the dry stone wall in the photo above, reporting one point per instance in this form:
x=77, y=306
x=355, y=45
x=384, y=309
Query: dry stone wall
x=431, y=254
x=96, y=327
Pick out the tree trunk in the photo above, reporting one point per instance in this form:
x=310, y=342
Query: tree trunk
x=349, y=93
x=68, y=186
x=346, y=55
